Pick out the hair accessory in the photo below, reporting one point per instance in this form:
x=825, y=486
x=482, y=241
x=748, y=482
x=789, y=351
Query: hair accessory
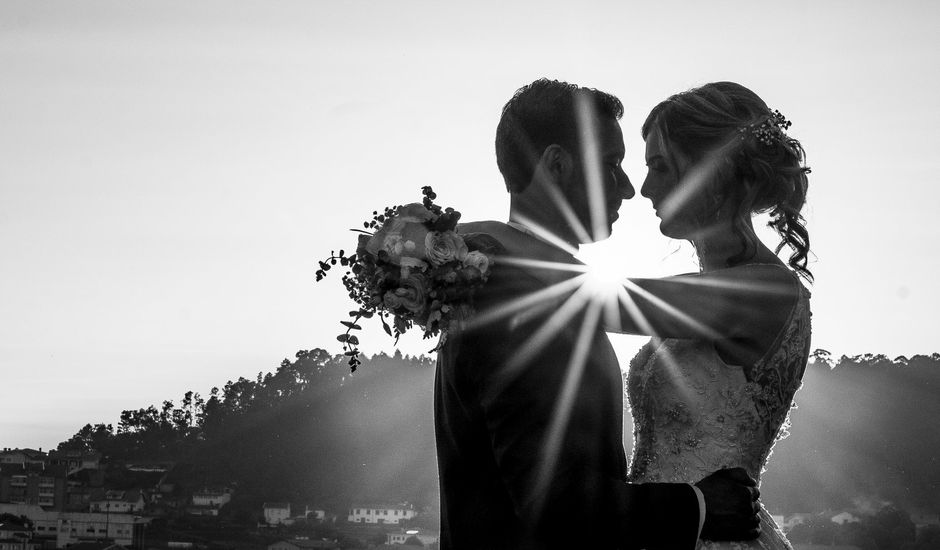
x=770, y=130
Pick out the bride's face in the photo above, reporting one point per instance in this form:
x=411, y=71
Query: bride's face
x=677, y=191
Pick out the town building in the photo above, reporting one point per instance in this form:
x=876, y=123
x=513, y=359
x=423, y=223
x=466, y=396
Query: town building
x=22, y=456
x=212, y=497
x=795, y=519
x=74, y=460
x=31, y=483
x=80, y=486
x=304, y=544
x=381, y=513
x=14, y=536
x=426, y=537
x=117, y=502
x=150, y=466
x=63, y=529
x=277, y=513
x=924, y=518
x=105, y=545
x=317, y=514
x=844, y=517
x=208, y=502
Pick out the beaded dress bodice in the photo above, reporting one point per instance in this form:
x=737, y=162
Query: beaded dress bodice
x=694, y=414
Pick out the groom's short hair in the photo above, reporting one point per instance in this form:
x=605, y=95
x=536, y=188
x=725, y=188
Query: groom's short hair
x=538, y=115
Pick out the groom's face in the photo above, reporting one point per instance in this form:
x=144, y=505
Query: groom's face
x=606, y=173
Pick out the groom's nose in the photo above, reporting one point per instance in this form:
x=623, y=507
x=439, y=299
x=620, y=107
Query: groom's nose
x=624, y=187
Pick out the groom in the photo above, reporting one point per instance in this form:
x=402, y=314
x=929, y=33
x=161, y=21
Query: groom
x=528, y=399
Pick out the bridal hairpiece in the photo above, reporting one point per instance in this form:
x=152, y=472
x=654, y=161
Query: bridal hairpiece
x=769, y=130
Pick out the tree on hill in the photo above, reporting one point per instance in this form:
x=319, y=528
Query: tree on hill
x=89, y=438
x=888, y=528
x=861, y=427
x=311, y=431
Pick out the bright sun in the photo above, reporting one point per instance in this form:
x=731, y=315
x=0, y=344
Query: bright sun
x=604, y=268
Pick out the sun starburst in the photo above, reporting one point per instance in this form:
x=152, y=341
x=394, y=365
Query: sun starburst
x=596, y=295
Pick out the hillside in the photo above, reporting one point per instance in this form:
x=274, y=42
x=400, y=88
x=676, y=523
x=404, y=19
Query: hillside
x=311, y=432
x=865, y=427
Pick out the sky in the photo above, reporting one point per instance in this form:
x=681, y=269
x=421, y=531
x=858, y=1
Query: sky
x=170, y=172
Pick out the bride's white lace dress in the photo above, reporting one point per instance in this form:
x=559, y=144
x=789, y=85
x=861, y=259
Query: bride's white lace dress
x=694, y=414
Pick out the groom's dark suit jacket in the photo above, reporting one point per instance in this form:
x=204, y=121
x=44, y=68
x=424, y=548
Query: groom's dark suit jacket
x=493, y=424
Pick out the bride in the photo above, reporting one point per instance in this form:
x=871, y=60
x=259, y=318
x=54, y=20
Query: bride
x=713, y=387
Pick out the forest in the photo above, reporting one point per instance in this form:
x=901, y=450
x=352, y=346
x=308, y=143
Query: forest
x=863, y=431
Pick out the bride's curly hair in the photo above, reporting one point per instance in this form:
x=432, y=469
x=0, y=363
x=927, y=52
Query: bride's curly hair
x=759, y=167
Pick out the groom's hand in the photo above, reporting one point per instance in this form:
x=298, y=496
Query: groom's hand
x=731, y=505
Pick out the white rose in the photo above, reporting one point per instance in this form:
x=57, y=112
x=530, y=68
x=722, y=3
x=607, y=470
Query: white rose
x=413, y=293
x=409, y=264
x=444, y=247
x=414, y=212
x=399, y=236
x=478, y=260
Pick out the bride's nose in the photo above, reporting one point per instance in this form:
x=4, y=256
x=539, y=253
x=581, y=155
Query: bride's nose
x=646, y=189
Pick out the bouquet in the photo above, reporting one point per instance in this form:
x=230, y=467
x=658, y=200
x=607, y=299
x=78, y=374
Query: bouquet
x=414, y=268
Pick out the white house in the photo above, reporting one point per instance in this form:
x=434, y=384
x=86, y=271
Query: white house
x=392, y=514
x=213, y=498
x=304, y=544
x=63, y=529
x=315, y=513
x=149, y=466
x=117, y=502
x=922, y=518
x=276, y=513
x=81, y=527
x=208, y=502
x=844, y=517
x=426, y=537
x=795, y=519
x=21, y=456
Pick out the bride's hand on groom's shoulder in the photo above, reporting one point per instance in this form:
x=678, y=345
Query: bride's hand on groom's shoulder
x=731, y=505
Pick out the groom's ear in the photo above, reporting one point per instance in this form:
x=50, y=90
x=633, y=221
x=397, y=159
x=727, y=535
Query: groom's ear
x=557, y=161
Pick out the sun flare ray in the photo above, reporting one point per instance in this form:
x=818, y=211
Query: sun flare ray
x=564, y=206
x=674, y=372
x=590, y=155
x=544, y=297
x=554, y=324
x=633, y=310
x=669, y=309
x=545, y=265
x=757, y=287
x=691, y=182
x=547, y=235
x=559, y=423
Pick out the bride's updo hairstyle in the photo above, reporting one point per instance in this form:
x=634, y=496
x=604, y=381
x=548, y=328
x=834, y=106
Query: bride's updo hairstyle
x=758, y=167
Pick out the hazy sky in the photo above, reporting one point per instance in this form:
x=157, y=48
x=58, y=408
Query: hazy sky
x=171, y=171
